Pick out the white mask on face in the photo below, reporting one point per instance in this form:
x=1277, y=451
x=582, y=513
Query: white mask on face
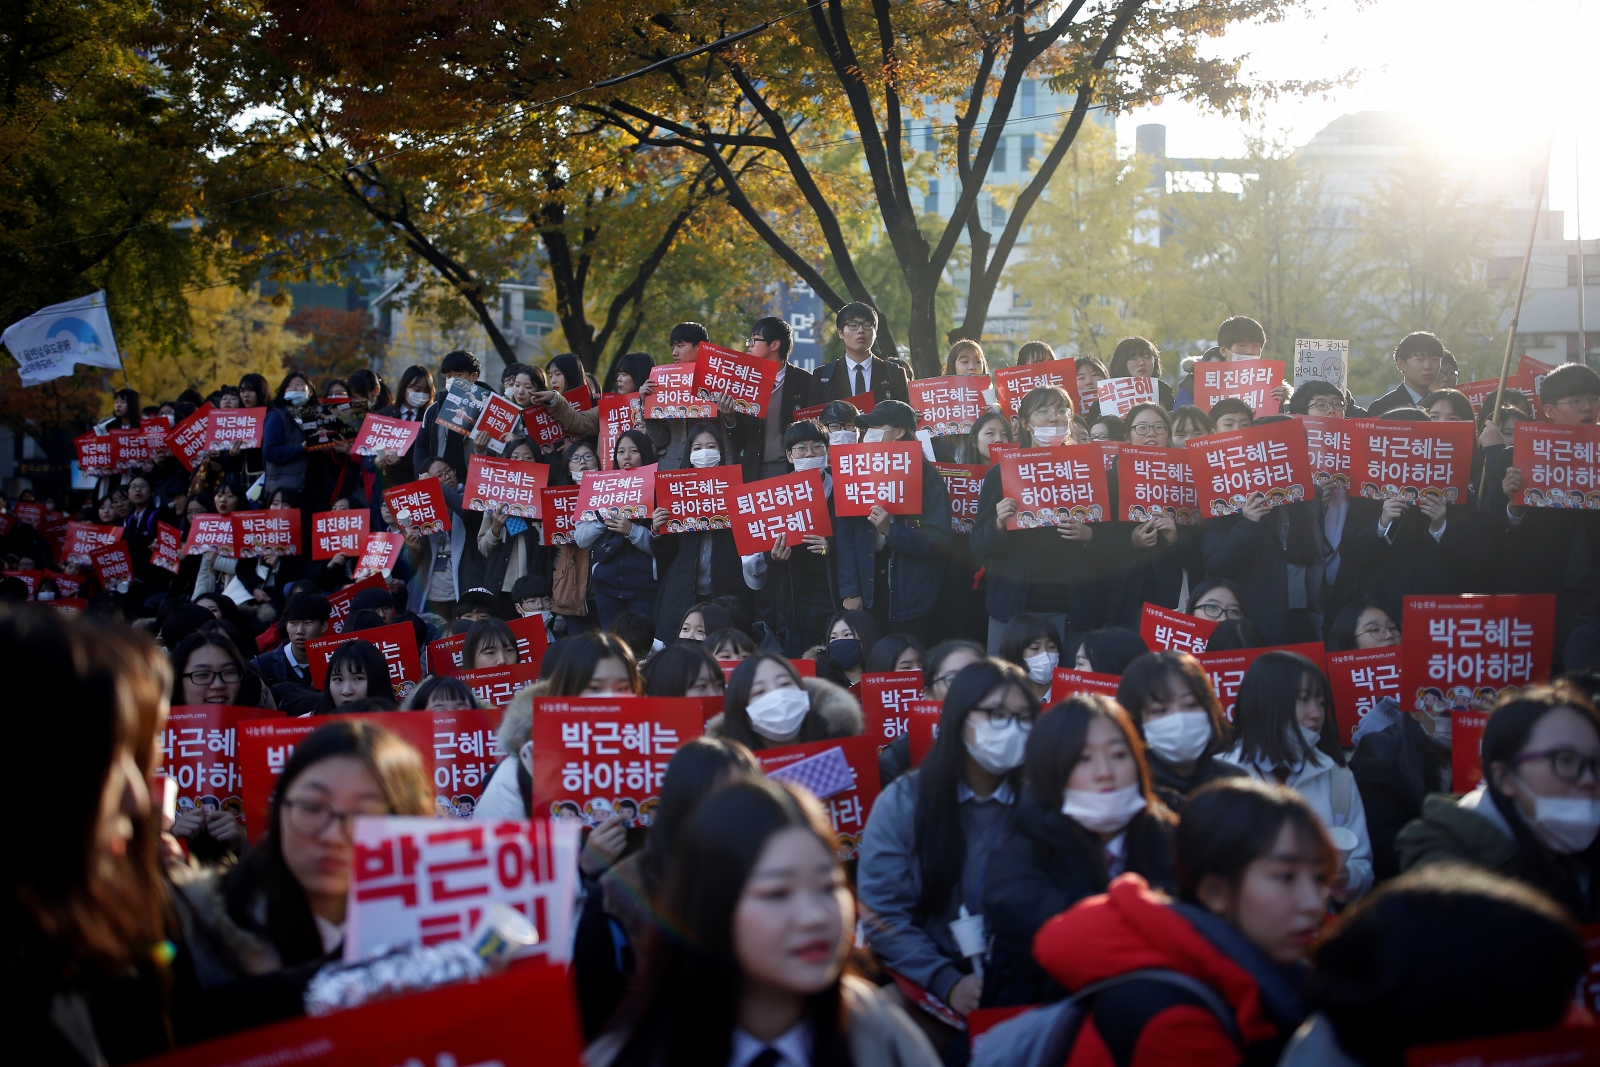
x=416, y=398
x=1049, y=436
x=778, y=713
x=1042, y=666
x=47, y=595
x=1565, y=824
x=873, y=435
x=1313, y=737
x=1103, y=813
x=843, y=437
x=705, y=457
x=1179, y=736
x=998, y=749
x=810, y=463
x=295, y=396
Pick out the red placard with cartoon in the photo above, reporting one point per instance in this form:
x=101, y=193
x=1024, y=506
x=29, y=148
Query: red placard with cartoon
x=28, y=511
x=94, y=455
x=274, y=530
x=593, y=756
x=495, y=686
x=417, y=882
x=200, y=753
x=948, y=406
x=922, y=727
x=84, y=537
x=1118, y=396
x=862, y=402
x=187, y=440
x=745, y=379
x=1560, y=465
x=338, y=533
x=884, y=698
x=339, y=602
x=212, y=531
x=1011, y=384
x=883, y=474
x=1053, y=485
x=1412, y=461
x=698, y=500
x=1167, y=630
x=380, y=553
x=131, y=449
x=673, y=396
x=27, y=578
x=379, y=433
x=785, y=508
x=842, y=774
x=1269, y=461
x=498, y=419
x=1481, y=393
x=1328, y=448
x=1360, y=679
x=1152, y=482
x=113, y=565
x=67, y=585
x=235, y=425
x=559, y=508
x=397, y=642
x=618, y=415
x=1250, y=380
x=543, y=427
x=166, y=551
x=507, y=485
x=419, y=505
x=1227, y=669
x=532, y=639
x=963, y=483
x=628, y=494
x=1065, y=683
x=1462, y=653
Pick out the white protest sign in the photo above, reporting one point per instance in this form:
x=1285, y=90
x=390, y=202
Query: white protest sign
x=49, y=342
x=1321, y=361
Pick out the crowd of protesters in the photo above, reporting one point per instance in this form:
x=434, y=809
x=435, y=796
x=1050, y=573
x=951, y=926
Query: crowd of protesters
x=1244, y=891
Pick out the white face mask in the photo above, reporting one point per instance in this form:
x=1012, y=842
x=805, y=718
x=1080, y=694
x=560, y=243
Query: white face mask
x=1103, y=813
x=417, y=399
x=1313, y=737
x=998, y=749
x=1042, y=666
x=873, y=435
x=1565, y=824
x=843, y=437
x=778, y=713
x=1178, y=736
x=705, y=457
x=295, y=396
x=1049, y=436
x=47, y=595
x=810, y=463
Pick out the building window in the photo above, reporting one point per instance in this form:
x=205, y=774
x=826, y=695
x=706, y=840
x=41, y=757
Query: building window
x=537, y=322
x=997, y=216
x=999, y=165
x=1025, y=149
x=930, y=140
x=1029, y=99
x=930, y=203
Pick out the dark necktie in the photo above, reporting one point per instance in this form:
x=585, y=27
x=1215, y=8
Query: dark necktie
x=861, y=381
x=767, y=1057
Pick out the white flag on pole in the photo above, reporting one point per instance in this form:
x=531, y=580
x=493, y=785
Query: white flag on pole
x=49, y=342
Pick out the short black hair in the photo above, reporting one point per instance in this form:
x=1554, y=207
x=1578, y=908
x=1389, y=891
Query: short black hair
x=1229, y=823
x=1230, y=405
x=688, y=332
x=1460, y=406
x=312, y=607
x=1568, y=380
x=857, y=309
x=636, y=631
x=1305, y=392
x=516, y=370
x=773, y=328
x=1240, y=329
x=1419, y=343
x=460, y=362
x=804, y=430
x=1111, y=649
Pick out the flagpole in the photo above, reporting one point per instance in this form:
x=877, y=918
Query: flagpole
x=1522, y=285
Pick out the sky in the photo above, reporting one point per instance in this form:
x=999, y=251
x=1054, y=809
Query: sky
x=1482, y=73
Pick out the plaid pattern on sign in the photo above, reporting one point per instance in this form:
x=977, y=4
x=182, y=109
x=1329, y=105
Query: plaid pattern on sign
x=823, y=775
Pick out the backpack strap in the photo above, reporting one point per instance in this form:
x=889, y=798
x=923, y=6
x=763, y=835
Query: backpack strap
x=1209, y=998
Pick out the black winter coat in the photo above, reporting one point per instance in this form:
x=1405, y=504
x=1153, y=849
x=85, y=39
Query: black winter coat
x=1395, y=768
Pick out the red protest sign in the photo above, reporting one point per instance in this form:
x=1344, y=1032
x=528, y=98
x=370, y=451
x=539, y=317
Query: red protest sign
x=673, y=396
x=1526, y=364
x=507, y=485
x=66, y=584
x=417, y=881
x=594, y=755
x=1563, y=1045
x=1152, y=482
x=230, y=425
x=1227, y=669
x=1267, y=461
x=1328, y=450
x=1411, y=461
x=340, y=602
x=862, y=402
x=28, y=578
x=495, y=686
x=1165, y=630
x=1065, y=683
x=1360, y=679
x=883, y=474
x=498, y=418
x=1466, y=748
x=785, y=508
x=445, y=655
x=380, y=553
x=95, y=458
x=805, y=668
x=950, y=405
x=1560, y=465
x=543, y=427
x=559, y=508
x=1250, y=380
x=922, y=727
x=379, y=433
x=212, y=531
x=884, y=700
x=842, y=774
x=1118, y=396
x=274, y=530
x=200, y=753
x=113, y=565
x=1011, y=384
x=419, y=505
x=29, y=512
x=618, y=415
x=1481, y=393
x=131, y=449
x=698, y=499
x=1054, y=485
x=745, y=379
x=627, y=494
x=84, y=537
x=338, y=533
x=397, y=642
x=963, y=483
x=187, y=440
x=166, y=551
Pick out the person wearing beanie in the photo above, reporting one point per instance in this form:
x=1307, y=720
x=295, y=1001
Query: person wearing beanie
x=859, y=371
x=379, y=600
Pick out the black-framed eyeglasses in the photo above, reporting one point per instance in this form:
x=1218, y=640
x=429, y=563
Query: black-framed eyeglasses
x=229, y=676
x=1566, y=764
x=751, y=341
x=1325, y=405
x=1002, y=717
x=1380, y=629
x=1217, y=611
x=311, y=818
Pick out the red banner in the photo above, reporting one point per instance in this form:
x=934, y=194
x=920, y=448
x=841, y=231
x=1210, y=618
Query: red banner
x=559, y=508
x=379, y=433
x=498, y=418
x=419, y=505
x=66, y=584
x=495, y=686
x=627, y=494
x=1250, y=380
x=1466, y=748
x=1066, y=683
x=1267, y=461
x=1405, y=460
x=1118, y=396
x=134, y=449
x=745, y=379
x=948, y=406
x=340, y=602
x=1560, y=465
x=673, y=396
x=922, y=727
x=1481, y=393
x=187, y=440
x=29, y=511
x=862, y=402
x=1052, y=485
x=445, y=655
x=885, y=701
x=594, y=756
x=212, y=531
x=84, y=537
x=380, y=553
x=1011, y=384
x=397, y=642
x=883, y=474
x=1328, y=450
x=274, y=530
x=167, y=550
x=1360, y=679
x=230, y=425
x=95, y=458
x=1152, y=482
x=963, y=482
x=113, y=565
x=507, y=485
x=338, y=533
x=842, y=774
x=200, y=753
x=1165, y=630
x=784, y=509
x=542, y=426
x=698, y=499
x=618, y=415
x=28, y=578
x=1227, y=669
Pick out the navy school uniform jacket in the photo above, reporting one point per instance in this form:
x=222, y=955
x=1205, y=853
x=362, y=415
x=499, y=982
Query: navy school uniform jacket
x=916, y=544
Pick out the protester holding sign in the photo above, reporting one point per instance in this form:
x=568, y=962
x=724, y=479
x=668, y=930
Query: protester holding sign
x=758, y=440
x=625, y=573
x=700, y=562
x=1137, y=357
x=509, y=543
x=358, y=676
x=769, y=704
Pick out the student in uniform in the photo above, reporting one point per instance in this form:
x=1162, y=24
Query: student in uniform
x=1418, y=357
x=858, y=370
x=759, y=442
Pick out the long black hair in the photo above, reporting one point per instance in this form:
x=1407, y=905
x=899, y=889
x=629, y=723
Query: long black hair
x=1230, y=823
x=712, y=428
x=674, y=670
x=700, y=766
x=637, y=365
x=736, y=721
x=1265, y=717
x=641, y=441
x=1110, y=649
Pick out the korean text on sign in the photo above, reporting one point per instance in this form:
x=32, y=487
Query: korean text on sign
x=1055, y=485
x=598, y=756
x=1360, y=679
x=419, y=505
x=1166, y=630
x=963, y=483
x=380, y=433
x=1411, y=461
x=187, y=440
x=948, y=406
x=626, y=494
x=1227, y=669
x=674, y=396
x=1011, y=384
x=886, y=475
x=559, y=510
x=1463, y=651
x=274, y=530
x=698, y=500
x=338, y=533
x=1266, y=462
x=1118, y=396
x=507, y=485
x=498, y=420
x=200, y=753
x=241, y=426
x=618, y=415
x=1560, y=465
x=1250, y=380
x=1156, y=482
x=746, y=380
x=785, y=509
x=885, y=702
x=841, y=774
x=1328, y=449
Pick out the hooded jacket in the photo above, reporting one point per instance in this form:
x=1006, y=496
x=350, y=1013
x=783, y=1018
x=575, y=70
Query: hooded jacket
x=1141, y=1024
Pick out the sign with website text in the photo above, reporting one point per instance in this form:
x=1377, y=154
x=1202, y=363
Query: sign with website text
x=446, y=656
x=200, y=753
x=339, y=603
x=1250, y=380
x=495, y=686
x=698, y=500
x=618, y=415
x=230, y=426
x=1054, y=485
x=1011, y=384
x=596, y=756
x=745, y=379
x=1066, y=683
x=1328, y=448
x=461, y=405
x=559, y=508
x=338, y=533
x=1118, y=396
x=113, y=565
x=397, y=642
x=543, y=427
x=379, y=433
x=882, y=474
x=380, y=553
x=1267, y=462
x=506, y=485
x=498, y=419
x=84, y=537
x=963, y=482
x=1318, y=360
x=1560, y=465
x=419, y=505
x=1164, y=629
x=135, y=449
x=947, y=407
x=1227, y=669
x=1360, y=679
x=274, y=530
x=1411, y=461
x=625, y=494
x=885, y=698
x=94, y=455
x=842, y=774
x=862, y=402
x=674, y=396
x=212, y=531
x=187, y=440
x=1152, y=482
x=785, y=509
x=166, y=551
x=922, y=727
